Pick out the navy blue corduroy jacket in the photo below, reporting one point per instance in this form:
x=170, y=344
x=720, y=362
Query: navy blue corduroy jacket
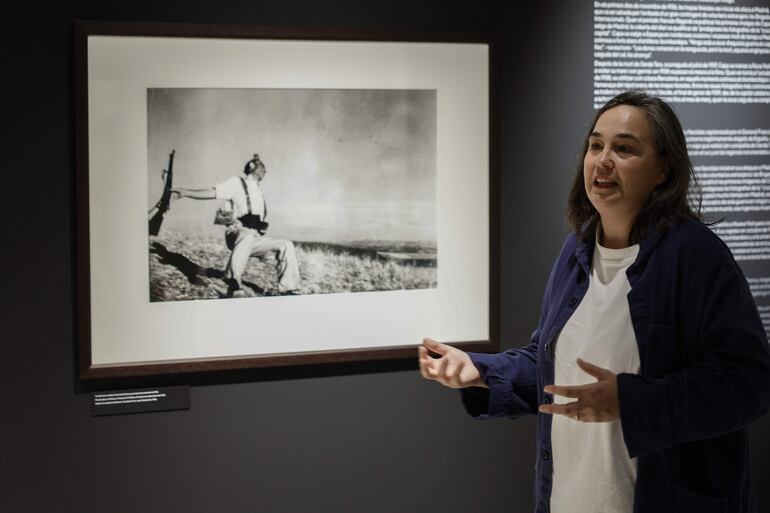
x=705, y=372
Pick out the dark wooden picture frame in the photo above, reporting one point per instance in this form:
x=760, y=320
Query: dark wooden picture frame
x=114, y=319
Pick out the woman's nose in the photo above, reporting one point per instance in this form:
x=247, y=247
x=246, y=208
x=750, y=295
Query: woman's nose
x=605, y=159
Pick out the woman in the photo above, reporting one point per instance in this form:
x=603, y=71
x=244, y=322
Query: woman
x=650, y=359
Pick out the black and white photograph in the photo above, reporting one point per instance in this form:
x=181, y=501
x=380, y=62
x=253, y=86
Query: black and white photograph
x=265, y=192
x=247, y=202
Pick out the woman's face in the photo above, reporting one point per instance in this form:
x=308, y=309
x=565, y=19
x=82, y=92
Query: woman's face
x=621, y=166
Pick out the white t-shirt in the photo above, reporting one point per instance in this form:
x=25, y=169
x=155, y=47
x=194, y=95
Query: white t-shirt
x=232, y=190
x=591, y=468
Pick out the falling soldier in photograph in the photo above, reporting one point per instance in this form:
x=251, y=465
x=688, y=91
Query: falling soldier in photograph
x=246, y=227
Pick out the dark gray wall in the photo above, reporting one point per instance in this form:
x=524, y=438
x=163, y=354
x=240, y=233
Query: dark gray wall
x=372, y=438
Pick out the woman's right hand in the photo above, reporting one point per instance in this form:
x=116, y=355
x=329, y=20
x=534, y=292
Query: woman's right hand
x=453, y=369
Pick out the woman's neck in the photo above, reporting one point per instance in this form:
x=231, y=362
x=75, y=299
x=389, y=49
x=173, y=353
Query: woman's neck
x=614, y=234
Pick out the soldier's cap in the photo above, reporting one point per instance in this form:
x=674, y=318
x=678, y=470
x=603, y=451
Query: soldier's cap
x=252, y=164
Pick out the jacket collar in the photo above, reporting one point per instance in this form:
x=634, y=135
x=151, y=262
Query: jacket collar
x=584, y=251
x=646, y=246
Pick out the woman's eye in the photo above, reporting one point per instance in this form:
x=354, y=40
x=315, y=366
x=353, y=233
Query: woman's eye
x=596, y=146
x=624, y=149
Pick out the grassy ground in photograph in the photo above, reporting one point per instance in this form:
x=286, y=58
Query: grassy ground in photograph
x=187, y=268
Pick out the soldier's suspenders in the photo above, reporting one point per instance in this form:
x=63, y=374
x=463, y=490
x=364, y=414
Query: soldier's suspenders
x=248, y=198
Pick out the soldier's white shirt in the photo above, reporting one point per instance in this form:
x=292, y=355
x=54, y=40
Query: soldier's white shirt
x=232, y=190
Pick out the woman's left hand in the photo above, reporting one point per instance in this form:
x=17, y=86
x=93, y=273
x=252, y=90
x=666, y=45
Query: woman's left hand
x=596, y=402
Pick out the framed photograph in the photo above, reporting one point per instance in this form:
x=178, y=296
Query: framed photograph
x=251, y=197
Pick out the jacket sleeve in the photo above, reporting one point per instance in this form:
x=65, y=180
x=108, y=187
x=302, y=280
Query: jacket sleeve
x=726, y=384
x=512, y=375
x=512, y=380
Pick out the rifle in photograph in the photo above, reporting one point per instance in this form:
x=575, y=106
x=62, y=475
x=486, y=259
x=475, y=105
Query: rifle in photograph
x=157, y=212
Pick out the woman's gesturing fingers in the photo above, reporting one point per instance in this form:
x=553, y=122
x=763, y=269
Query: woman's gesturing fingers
x=436, y=346
x=425, y=362
x=596, y=402
x=452, y=367
x=568, y=409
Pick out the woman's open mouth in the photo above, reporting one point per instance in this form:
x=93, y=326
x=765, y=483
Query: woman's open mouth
x=604, y=183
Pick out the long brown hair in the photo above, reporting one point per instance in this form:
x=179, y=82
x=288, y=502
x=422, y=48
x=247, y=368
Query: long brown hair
x=678, y=197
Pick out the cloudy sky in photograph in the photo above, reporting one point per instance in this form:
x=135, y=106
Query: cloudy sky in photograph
x=342, y=165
